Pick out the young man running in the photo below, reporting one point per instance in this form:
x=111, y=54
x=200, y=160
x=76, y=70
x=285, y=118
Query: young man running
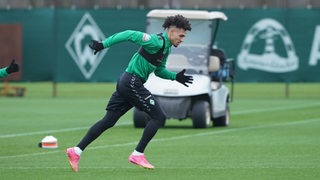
x=130, y=91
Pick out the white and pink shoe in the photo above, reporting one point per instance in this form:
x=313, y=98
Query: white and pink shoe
x=73, y=158
x=140, y=161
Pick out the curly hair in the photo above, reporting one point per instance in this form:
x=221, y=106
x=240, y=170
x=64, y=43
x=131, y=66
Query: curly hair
x=178, y=21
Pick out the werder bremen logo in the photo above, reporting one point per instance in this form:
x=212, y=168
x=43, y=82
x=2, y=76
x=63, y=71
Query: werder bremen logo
x=268, y=47
x=77, y=45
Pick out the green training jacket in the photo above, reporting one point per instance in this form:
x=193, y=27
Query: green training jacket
x=151, y=43
x=3, y=72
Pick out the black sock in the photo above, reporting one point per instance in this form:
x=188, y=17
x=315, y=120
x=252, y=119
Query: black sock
x=148, y=133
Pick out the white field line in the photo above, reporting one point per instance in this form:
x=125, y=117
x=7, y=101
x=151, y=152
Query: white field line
x=134, y=167
x=54, y=131
x=177, y=137
x=128, y=123
x=274, y=109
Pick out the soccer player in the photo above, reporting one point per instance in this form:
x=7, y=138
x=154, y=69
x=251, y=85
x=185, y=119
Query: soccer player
x=130, y=91
x=13, y=67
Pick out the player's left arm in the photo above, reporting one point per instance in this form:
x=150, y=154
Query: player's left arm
x=181, y=77
x=163, y=72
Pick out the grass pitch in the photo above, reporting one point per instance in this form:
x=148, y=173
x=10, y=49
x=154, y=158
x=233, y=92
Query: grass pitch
x=270, y=137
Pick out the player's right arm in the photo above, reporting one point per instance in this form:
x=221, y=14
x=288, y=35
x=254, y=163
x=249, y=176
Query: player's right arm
x=137, y=37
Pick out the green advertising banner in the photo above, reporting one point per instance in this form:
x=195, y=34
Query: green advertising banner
x=75, y=30
x=273, y=45
x=268, y=45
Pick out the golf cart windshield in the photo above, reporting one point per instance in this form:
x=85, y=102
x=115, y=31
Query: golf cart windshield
x=193, y=53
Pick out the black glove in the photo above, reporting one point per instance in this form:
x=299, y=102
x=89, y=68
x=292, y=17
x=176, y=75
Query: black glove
x=96, y=46
x=183, y=79
x=13, y=67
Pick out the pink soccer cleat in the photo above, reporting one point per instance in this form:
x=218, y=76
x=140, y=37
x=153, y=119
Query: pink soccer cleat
x=140, y=161
x=73, y=158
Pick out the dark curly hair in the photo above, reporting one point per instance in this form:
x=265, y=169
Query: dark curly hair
x=178, y=21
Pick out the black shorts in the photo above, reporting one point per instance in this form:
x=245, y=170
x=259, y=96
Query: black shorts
x=130, y=92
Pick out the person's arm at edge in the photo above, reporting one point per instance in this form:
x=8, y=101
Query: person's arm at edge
x=3, y=72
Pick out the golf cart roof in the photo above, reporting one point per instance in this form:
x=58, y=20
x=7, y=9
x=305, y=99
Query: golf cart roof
x=190, y=14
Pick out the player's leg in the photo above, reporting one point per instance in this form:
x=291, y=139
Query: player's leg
x=108, y=121
x=157, y=120
x=117, y=106
x=141, y=98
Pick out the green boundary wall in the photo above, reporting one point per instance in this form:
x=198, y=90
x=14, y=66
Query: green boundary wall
x=302, y=26
x=268, y=45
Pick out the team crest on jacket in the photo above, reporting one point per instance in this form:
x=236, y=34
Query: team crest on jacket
x=146, y=37
x=152, y=102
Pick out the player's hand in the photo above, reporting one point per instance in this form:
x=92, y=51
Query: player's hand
x=183, y=79
x=96, y=46
x=13, y=67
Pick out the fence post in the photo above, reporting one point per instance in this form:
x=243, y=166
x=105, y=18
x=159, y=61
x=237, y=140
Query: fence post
x=54, y=89
x=287, y=89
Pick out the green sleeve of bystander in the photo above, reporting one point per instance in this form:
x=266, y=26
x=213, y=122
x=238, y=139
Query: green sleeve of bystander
x=3, y=72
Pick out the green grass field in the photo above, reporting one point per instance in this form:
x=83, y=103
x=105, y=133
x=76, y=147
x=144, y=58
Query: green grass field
x=270, y=137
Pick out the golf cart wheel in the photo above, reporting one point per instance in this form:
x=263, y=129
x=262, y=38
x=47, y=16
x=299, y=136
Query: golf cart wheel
x=140, y=118
x=223, y=120
x=201, y=116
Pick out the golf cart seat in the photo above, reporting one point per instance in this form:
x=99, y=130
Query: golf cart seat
x=223, y=72
x=214, y=66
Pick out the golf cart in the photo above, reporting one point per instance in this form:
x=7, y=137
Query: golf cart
x=206, y=101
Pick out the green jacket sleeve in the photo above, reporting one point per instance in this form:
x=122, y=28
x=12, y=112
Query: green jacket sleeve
x=136, y=37
x=3, y=72
x=165, y=73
